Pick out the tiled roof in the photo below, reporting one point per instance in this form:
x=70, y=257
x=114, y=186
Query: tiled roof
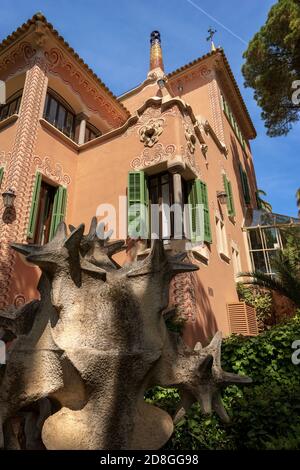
x=218, y=51
x=39, y=17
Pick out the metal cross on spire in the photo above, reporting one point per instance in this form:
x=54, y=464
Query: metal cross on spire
x=211, y=33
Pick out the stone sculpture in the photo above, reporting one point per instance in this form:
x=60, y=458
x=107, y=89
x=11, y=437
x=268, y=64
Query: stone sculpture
x=85, y=354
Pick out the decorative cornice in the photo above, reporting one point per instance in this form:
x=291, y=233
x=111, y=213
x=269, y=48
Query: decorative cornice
x=221, y=63
x=39, y=27
x=16, y=58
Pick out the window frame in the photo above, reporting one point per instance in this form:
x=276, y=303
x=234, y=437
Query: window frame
x=233, y=122
x=14, y=98
x=222, y=240
x=91, y=130
x=264, y=248
x=61, y=104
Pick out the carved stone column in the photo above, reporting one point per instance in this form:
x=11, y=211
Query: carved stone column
x=178, y=199
x=182, y=292
x=19, y=172
x=82, y=119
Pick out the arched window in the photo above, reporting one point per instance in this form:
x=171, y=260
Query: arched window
x=59, y=113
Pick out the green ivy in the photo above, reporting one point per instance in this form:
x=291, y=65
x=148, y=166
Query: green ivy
x=261, y=300
x=264, y=415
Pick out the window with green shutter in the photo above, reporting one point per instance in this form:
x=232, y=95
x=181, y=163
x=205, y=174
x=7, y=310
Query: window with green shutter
x=34, y=205
x=59, y=209
x=245, y=184
x=197, y=194
x=230, y=202
x=138, y=202
x=1, y=174
x=233, y=122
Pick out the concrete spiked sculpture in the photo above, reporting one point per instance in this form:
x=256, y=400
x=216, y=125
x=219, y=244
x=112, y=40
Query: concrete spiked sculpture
x=85, y=354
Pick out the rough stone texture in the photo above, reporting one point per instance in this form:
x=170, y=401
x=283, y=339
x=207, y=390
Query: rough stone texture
x=85, y=354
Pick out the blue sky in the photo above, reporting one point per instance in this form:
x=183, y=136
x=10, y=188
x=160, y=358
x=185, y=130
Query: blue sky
x=113, y=38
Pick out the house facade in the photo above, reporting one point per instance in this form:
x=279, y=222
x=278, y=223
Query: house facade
x=68, y=147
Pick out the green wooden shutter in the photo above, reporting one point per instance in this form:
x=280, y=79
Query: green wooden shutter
x=1, y=174
x=59, y=209
x=242, y=179
x=198, y=195
x=245, y=184
x=204, y=201
x=230, y=202
x=226, y=109
x=247, y=190
x=138, y=203
x=34, y=205
x=232, y=208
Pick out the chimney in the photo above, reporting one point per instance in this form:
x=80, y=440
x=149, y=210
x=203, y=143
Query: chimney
x=156, y=60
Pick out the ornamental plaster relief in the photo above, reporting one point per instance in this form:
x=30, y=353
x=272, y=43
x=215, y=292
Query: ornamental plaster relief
x=151, y=117
x=216, y=109
x=22, y=55
x=4, y=157
x=54, y=171
x=93, y=97
x=160, y=153
x=17, y=174
x=16, y=59
x=203, y=73
x=153, y=156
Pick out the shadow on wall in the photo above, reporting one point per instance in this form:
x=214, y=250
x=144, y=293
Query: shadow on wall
x=204, y=326
x=248, y=167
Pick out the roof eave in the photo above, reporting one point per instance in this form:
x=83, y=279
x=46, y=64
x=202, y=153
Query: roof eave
x=25, y=28
x=218, y=52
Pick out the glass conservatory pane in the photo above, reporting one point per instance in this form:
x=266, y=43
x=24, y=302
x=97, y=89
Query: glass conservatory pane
x=259, y=261
x=273, y=254
x=255, y=239
x=271, y=237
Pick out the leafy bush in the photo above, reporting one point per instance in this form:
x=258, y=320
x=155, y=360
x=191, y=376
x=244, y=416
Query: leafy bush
x=261, y=300
x=265, y=414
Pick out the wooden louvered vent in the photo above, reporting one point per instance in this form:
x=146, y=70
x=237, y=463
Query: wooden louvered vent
x=242, y=319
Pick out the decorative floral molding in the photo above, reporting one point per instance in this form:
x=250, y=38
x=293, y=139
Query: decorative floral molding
x=52, y=170
x=156, y=155
x=150, y=133
x=22, y=54
x=201, y=72
x=94, y=97
x=151, y=115
x=190, y=137
x=160, y=153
